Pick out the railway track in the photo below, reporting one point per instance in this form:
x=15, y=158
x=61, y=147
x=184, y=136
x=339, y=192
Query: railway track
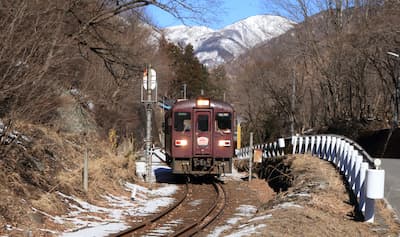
x=212, y=214
x=182, y=218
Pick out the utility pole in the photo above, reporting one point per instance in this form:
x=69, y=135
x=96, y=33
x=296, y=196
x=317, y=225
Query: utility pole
x=85, y=171
x=184, y=91
x=149, y=86
x=293, y=101
x=148, y=127
x=251, y=157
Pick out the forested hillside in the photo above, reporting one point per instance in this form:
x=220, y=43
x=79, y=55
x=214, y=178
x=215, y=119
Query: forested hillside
x=333, y=72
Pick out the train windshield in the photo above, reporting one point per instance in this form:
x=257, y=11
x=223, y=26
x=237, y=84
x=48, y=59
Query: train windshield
x=202, y=123
x=224, y=122
x=182, y=121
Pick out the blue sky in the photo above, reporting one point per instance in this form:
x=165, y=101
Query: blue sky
x=231, y=11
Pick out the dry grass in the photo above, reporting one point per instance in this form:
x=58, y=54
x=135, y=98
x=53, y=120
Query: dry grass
x=49, y=203
x=53, y=162
x=326, y=211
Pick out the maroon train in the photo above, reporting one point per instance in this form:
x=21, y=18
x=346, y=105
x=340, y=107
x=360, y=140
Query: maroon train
x=199, y=137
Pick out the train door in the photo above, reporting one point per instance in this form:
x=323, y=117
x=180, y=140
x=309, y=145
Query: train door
x=202, y=143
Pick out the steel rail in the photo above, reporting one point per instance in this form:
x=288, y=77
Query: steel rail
x=155, y=217
x=207, y=218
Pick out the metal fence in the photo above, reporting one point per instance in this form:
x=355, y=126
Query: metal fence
x=362, y=173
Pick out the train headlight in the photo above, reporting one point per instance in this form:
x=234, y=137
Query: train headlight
x=202, y=102
x=224, y=143
x=182, y=142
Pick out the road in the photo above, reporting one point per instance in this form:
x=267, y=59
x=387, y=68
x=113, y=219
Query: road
x=392, y=184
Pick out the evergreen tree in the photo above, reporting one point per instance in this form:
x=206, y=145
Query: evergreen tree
x=187, y=70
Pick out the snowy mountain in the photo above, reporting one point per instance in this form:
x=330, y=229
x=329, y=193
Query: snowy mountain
x=214, y=47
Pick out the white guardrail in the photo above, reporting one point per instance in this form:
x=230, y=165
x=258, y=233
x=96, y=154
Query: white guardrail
x=363, y=173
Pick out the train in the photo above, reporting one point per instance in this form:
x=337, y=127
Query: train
x=199, y=137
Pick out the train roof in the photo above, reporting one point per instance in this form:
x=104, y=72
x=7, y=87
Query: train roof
x=191, y=103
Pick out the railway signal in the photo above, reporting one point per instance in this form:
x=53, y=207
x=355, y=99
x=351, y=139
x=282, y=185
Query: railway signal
x=149, y=97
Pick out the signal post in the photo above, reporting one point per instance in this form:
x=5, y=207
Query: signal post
x=149, y=97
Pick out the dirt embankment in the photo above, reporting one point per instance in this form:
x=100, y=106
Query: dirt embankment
x=317, y=204
x=37, y=164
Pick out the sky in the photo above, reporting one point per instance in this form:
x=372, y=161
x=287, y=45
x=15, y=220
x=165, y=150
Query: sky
x=231, y=12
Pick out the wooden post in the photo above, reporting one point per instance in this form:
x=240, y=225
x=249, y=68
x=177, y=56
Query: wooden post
x=239, y=137
x=251, y=157
x=85, y=172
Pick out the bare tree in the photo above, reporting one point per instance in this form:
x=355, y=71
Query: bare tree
x=48, y=46
x=337, y=58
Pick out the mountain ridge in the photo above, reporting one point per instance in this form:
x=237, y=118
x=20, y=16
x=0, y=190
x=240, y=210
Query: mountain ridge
x=215, y=47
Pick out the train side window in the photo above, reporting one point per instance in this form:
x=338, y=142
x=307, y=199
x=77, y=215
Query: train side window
x=202, y=123
x=182, y=121
x=223, y=122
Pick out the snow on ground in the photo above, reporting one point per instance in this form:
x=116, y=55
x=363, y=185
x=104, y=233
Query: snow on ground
x=166, y=229
x=247, y=230
x=287, y=205
x=242, y=213
x=87, y=219
x=90, y=220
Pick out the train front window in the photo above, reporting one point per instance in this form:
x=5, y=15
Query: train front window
x=223, y=122
x=182, y=121
x=202, y=123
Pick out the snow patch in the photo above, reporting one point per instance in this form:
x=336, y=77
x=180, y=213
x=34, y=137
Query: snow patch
x=260, y=218
x=195, y=203
x=248, y=230
x=242, y=212
x=287, y=205
x=92, y=220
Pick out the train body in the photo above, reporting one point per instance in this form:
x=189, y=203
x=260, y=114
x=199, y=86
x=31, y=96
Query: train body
x=199, y=137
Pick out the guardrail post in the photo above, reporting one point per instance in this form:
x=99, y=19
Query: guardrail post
x=312, y=145
x=323, y=147
x=357, y=186
x=333, y=150
x=348, y=163
x=306, y=142
x=328, y=148
x=294, y=144
x=363, y=174
x=344, y=157
x=375, y=190
x=317, y=146
x=271, y=148
x=281, y=143
x=339, y=152
x=352, y=170
x=300, y=139
x=264, y=154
